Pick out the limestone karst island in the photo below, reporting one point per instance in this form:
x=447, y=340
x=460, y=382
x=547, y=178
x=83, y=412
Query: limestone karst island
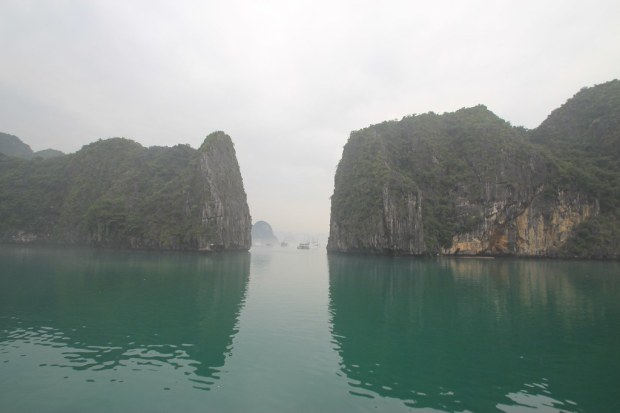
x=469, y=183
x=115, y=193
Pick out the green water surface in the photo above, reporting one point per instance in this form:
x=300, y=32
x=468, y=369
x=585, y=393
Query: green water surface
x=287, y=330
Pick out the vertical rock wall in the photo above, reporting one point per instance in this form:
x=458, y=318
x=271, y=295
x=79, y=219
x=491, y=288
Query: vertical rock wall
x=225, y=213
x=538, y=228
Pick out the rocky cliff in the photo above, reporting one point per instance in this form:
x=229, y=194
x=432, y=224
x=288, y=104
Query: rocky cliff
x=469, y=183
x=116, y=193
x=225, y=213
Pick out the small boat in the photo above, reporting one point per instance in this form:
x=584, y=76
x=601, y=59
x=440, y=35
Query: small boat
x=303, y=246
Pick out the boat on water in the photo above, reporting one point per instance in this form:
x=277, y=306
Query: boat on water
x=303, y=246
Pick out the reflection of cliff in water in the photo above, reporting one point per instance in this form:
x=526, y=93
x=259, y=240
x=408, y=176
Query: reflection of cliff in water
x=114, y=309
x=476, y=335
x=567, y=290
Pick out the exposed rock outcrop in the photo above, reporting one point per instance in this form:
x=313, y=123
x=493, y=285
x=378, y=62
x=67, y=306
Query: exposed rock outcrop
x=538, y=229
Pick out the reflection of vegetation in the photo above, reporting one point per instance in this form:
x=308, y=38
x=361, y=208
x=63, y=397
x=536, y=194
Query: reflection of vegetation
x=116, y=308
x=462, y=334
x=460, y=161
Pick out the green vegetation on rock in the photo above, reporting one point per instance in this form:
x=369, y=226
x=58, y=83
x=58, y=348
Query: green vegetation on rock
x=11, y=145
x=469, y=182
x=116, y=193
x=583, y=140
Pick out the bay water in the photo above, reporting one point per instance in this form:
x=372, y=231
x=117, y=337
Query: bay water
x=287, y=330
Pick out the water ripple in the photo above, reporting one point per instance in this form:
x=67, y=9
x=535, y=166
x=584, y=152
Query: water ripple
x=80, y=357
x=537, y=396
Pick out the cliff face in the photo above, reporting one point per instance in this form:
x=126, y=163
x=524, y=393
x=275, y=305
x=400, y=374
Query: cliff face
x=539, y=228
x=116, y=193
x=469, y=183
x=225, y=213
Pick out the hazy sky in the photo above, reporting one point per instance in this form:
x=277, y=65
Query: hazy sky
x=288, y=80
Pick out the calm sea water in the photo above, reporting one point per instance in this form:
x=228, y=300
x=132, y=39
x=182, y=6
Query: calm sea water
x=294, y=330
